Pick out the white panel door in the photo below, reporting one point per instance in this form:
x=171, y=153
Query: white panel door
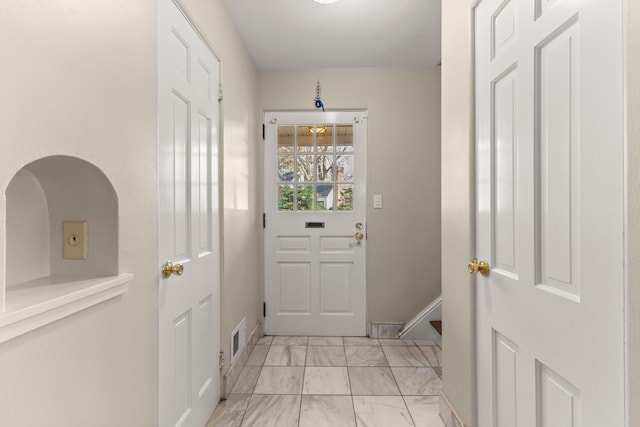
x=550, y=213
x=315, y=237
x=189, y=305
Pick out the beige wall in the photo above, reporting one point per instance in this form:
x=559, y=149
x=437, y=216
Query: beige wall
x=242, y=283
x=632, y=38
x=79, y=78
x=403, y=247
x=458, y=208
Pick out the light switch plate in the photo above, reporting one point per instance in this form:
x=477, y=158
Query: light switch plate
x=75, y=239
x=377, y=201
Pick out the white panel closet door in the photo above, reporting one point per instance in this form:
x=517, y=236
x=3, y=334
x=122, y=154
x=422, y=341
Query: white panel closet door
x=189, y=304
x=550, y=213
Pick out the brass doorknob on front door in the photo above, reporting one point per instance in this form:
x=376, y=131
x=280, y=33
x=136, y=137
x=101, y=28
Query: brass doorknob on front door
x=169, y=268
x=481, y=267
x=359, y=236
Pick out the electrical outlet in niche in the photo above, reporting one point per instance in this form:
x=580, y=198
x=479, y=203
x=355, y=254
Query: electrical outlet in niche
x=75, y=239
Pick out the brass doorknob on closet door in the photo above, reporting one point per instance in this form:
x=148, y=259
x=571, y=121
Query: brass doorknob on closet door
x=169, y=268
x=359, y=236
x=481, y=267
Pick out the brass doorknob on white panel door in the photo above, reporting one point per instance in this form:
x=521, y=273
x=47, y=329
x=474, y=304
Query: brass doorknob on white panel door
x=481, y=267
x=169, y=268
x=359, y=236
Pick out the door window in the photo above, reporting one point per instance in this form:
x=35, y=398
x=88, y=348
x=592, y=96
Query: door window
x=315, y=168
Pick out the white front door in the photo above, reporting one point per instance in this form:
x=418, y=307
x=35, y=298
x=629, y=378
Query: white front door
x=189, y=304
x=549, y=110
x=315, y=231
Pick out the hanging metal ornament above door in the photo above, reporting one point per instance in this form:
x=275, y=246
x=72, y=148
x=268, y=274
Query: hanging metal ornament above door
x=318, y=101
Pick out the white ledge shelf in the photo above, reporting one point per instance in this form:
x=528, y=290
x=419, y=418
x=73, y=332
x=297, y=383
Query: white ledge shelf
x=30, y=305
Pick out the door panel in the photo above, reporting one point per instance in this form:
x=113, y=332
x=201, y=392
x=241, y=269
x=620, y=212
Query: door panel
x=505, y=364
x=177, y=202
x=202, y=193
x=188, y=314
x=336, y=283
x=503, y=26
x=558, y=70
x=315, y=195
x=204, y=369
x=294, y=288
x=558, y=401
x=182, y=366
x=549, y=212
x=505, y=177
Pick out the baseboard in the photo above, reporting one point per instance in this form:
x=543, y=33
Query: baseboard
x=448, y=413
x=231, y=376
x=385, y=329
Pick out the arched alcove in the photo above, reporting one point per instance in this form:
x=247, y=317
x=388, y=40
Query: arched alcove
x=40, y=284
x=28, y=234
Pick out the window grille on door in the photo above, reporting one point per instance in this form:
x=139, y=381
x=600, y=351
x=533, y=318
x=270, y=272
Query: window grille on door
x=315, y=168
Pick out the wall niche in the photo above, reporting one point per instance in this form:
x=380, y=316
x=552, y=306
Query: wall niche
x=40, y=285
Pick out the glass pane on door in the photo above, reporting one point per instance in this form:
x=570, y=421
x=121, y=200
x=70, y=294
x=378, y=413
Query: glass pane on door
x=286, y=139
x=286, y=165
x=324, y=172
x=315, y=167
x=345, y=197
x=304, y=167
x=285, y=198
x=344, y=139
x=305, y=198
x=324, y=138
x=344, y=168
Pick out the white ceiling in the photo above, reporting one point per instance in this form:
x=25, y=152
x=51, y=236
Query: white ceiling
x=292, y=34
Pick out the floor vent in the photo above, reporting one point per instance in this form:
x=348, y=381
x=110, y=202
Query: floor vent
x=385, y=330
x=238, y=338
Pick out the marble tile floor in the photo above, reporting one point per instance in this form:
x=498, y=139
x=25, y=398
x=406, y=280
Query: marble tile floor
x=335, y=382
